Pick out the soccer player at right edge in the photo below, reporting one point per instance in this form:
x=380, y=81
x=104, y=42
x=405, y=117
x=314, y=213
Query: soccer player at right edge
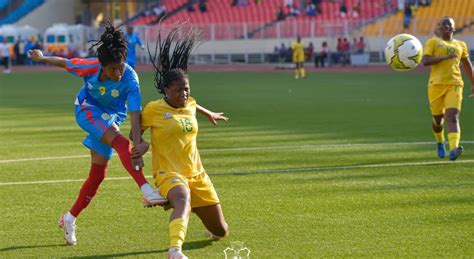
x=445, y=87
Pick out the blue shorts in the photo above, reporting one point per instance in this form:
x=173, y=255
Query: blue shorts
x=95, y=121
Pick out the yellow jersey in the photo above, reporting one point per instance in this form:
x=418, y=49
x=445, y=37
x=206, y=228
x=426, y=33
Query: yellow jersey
x=298, y=48
x=173, y=137
x=446, y=72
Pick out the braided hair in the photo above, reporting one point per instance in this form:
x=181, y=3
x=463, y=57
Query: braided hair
x=112, y=46
x=172, y=64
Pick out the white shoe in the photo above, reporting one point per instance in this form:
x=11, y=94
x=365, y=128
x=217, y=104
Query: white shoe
x=176, y=253
x=154, y=199
x=69, y=231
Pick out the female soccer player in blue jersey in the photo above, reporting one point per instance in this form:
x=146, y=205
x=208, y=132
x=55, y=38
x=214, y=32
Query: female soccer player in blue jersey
x=100, y=107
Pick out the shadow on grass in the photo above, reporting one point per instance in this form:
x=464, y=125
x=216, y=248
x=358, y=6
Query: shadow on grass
x=11, y=248
x=187, y=246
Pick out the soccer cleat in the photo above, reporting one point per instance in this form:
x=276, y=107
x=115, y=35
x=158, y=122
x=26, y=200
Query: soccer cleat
x=154, y=199
x=69, y=231
x=455, y=153
x=441, y=150
x=176, y=253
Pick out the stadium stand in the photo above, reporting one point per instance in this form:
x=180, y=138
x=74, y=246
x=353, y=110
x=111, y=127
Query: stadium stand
x=3, y=4
x=425, y=19
x=23, y=9
x=261, y=18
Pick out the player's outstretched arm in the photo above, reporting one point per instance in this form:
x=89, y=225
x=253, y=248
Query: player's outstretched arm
x=213, y=117
x=139, y=147
x=429, y=60
x=37, y=56
x=467, y=67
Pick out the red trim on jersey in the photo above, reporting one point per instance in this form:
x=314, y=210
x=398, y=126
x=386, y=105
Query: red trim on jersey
x=84, y=71
x=79, y=61
x=83, y=67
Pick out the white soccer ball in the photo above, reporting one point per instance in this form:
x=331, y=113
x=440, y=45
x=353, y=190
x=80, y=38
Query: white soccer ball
x=403, y=52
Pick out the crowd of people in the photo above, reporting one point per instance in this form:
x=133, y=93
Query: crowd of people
x=324, y=55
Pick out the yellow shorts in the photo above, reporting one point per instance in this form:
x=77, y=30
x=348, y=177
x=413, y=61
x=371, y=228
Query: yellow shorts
x=442, y=97
x=200, y=186
x=298, y=58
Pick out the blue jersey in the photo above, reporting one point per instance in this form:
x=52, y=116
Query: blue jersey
x=112, y=97
x=132, y=41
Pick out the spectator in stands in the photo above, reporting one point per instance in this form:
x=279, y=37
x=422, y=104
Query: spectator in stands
x=281, y=14
x=361, y=45
x=425, y=2
x=293, y=10
x=202, y=6
x=356, y=9
x=311, y=10
x=317, y=5
x=336, y=57
x=133, y=40
x=354, y=45
x=283, y=53
x=401, y=4
x=343, y=10
x=234, y=2
x=345, y=52
x=243, y=2
x=309, y=52
x=159, y=10
x=407, y=15
x=19, y=50
x=320, y=59
x=274, y=57
x=190, y=7
x=5, y=55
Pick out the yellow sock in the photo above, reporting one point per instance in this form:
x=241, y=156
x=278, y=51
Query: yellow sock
x=177, y=228
x=453, y=139
x=297, y=73
x=302, y=72
x=439, y=136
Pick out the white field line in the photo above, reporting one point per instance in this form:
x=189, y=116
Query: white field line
x=245, y=149
x=288, y=170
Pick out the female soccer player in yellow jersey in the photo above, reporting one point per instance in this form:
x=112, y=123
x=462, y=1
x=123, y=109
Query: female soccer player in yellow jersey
x=298, y=57
x=445, y=87
x=176, y=164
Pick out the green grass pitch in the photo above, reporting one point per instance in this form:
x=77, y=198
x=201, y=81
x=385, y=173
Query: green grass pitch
x=337, y=165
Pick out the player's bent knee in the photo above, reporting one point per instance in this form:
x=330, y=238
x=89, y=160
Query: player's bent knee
x=221, y=232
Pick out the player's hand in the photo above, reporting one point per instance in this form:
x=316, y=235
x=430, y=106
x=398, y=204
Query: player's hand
x=137, y=163
x=140, y=149
x=213, y=117
x=35, y=54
